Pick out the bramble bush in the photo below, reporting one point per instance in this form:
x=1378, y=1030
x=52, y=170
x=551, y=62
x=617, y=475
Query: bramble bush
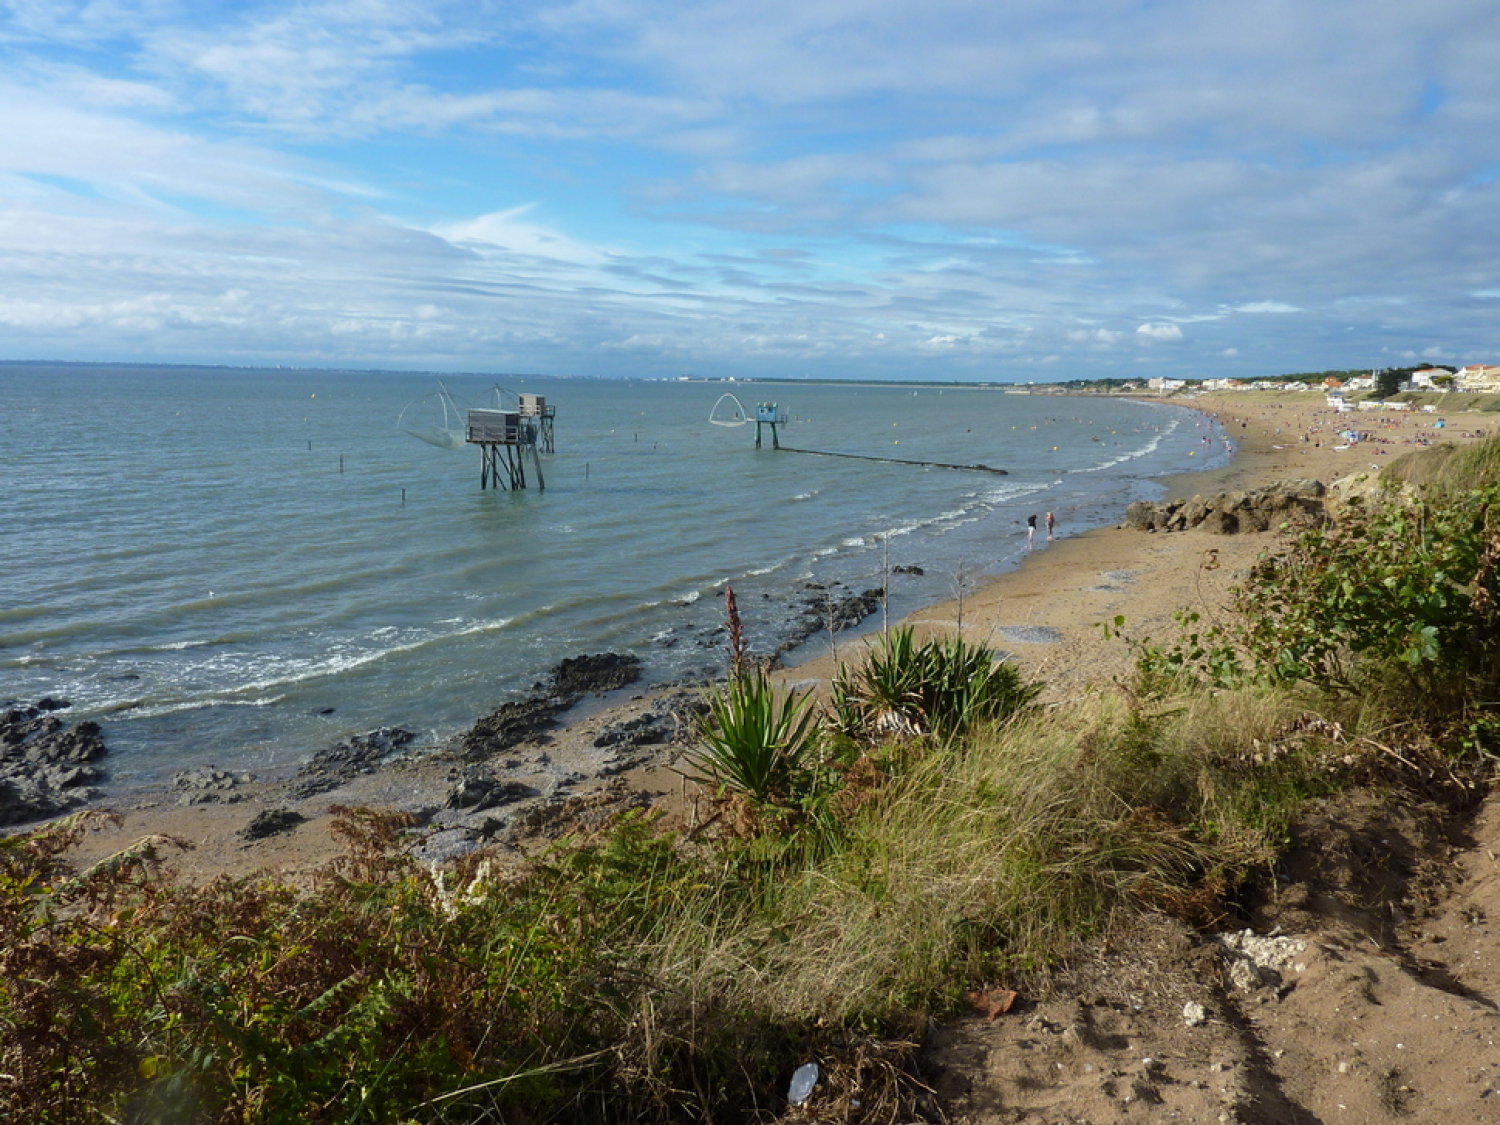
x=1402, y=592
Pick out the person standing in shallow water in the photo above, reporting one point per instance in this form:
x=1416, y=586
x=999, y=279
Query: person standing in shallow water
x=1051, y=523
x=1031, y=531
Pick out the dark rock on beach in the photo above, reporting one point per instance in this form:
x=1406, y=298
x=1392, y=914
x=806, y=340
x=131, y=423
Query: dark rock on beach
x=348, y=758
x=510, y=725
x=1296, y=502
x=45, y=765
x=605, y=671
x=831, y=612
x=528, y=720
x=272, y=822
x=852, y=610
x=479, y=789
x=649, y=729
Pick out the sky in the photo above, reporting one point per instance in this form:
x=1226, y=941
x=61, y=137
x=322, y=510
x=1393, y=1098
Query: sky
x=1008, y=190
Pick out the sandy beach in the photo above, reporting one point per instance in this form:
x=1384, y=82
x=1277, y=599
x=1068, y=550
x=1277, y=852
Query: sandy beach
x=1046, y=615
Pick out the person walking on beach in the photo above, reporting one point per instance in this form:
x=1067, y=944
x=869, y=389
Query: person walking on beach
x=1031, y=531
x=1051, y=523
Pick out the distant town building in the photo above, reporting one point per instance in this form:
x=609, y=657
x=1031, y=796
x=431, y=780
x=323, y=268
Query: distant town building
x=1478, y=377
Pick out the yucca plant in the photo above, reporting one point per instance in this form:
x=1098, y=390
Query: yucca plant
x=966, y=686
x=939, y=687
x=756, y=739
x=884, y=697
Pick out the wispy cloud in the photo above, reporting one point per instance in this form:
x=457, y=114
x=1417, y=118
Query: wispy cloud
x=1266, y=307
x=964, y=189
x=1160, y=331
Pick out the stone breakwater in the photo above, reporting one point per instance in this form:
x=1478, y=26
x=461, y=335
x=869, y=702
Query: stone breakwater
x=1295, y=502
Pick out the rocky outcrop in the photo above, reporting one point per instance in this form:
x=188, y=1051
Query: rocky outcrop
x=347, y=759
x=648, y=729
x=206, y=785
x=1365, y=490
x=272, y=822
x=1295, y=502
x=478, y=789
x=511, y=724
x=828, y=611
x=601, y=672
x=528, y=720
x=46, y=766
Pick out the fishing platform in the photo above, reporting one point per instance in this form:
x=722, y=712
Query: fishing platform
x=769, y=414
x=536, y=407
x=515, y=426
x=505, y=437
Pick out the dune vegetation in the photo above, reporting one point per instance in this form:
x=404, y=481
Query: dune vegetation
x=935, y=827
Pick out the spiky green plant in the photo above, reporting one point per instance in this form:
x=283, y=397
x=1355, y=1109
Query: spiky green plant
x=756, y=739
x=941, y=687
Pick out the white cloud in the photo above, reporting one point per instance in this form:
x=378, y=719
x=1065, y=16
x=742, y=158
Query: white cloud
x=140, y=162
x=1266, y=307
x=1160, y=331
x=1094, y=336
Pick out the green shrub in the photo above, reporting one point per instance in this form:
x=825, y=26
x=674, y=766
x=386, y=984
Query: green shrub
x=944, y=687
x=756, y=739
x=642, y=977
x=1393, y=590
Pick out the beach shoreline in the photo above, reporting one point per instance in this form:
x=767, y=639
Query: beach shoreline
x=1046, y=615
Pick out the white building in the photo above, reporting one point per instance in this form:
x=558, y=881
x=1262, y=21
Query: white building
x=1478, y=377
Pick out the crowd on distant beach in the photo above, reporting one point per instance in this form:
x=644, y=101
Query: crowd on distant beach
x=1318, y=426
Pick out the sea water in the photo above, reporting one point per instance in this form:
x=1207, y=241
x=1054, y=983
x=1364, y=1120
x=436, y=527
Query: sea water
x=238, y=567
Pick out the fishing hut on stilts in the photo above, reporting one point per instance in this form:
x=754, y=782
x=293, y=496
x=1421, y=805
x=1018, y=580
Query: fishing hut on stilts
x=768, y=414
x=505, y=437
x=536, y=408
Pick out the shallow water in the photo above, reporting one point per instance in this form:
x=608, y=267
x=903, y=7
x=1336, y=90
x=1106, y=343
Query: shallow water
x=236, y=567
